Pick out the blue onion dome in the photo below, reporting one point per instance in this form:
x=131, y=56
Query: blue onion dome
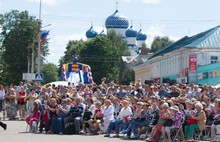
x=91, y=33
x=131, y=32
x=102, y=33
x=117, y=20
x=141, y=35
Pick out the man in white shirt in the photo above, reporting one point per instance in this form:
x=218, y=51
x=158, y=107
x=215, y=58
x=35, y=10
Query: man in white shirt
x=123, y=116
x=108, y=112
x=19, y=87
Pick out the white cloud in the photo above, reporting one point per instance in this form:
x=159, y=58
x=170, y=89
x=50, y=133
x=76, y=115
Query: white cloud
x=157, y=30
x=153, y=31
x=144, y=1
x=127, y=1
x=99, y=29
x=151, y=1
x=49, y=2
x=58, y=45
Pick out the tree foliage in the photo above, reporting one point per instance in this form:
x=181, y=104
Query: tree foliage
x=1, y=63
x=160, y=43
x=19, y=33
x=50, y=73
x=103, y=54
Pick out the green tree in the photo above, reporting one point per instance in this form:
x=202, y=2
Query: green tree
x=160, y=43
x=50, y=73
x=123, y=50
x=73, y=47
x=19, y=32
x=129, y=76
x=1, y=63
x=103, y=54
x=102, y=57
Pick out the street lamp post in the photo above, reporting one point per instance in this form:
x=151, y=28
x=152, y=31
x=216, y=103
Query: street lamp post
x=39, y=40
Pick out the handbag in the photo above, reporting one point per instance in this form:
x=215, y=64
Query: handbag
x=168, y=123
x=126, y=119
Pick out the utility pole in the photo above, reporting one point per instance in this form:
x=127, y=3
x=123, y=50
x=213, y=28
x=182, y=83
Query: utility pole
x=32, y=58
x=39, y=41
x=28, y=58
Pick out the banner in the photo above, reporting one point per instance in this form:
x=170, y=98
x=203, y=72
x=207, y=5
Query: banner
x=215, y=74
x=200, y=76
x=205, y=75
x=192, y=63
x=183, y=72
x=210, y=74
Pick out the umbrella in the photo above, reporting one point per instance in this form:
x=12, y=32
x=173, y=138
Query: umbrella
x=217, y=86
x=56, y=83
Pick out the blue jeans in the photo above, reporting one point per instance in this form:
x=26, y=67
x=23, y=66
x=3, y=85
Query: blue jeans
x=58, y=124
x=128, y=127
x=135, y=125
x=117, y=125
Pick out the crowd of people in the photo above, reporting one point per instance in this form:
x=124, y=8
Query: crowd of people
x=147, y=111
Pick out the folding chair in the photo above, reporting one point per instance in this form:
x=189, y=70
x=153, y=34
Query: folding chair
x=207, y=132
x=148, y=131
x=33, y=128
x=175, y=133
x=198, y=134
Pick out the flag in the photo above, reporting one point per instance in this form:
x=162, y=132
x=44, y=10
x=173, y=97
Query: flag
x=44, y=36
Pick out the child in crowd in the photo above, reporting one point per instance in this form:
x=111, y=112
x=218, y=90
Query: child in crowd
x=34, y=114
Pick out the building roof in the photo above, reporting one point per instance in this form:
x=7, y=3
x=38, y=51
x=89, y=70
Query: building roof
x=131, y=32
x=141, y=36
x=117, y=20
x=207, y=39
x=91, y=33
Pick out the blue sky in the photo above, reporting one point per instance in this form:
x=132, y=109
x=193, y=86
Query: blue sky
x=70, y=19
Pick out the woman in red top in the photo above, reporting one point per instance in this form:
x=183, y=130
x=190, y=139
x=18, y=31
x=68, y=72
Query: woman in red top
x=164, y=115
x=21, y=102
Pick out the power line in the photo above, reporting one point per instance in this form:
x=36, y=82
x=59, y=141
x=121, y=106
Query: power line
x=133, y=20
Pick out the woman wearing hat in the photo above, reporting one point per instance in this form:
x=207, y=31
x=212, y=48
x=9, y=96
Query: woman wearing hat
x=164, y=115
x=177, y=119
x=200, y=119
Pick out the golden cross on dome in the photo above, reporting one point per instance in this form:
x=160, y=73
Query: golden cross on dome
x=116, y=4
x=91, y=24
x=131, y=22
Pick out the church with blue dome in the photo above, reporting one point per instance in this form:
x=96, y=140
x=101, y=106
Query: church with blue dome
x=120, y=24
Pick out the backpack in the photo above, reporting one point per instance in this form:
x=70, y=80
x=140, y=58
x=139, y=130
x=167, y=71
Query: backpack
x=69, y=129
x=75, y=112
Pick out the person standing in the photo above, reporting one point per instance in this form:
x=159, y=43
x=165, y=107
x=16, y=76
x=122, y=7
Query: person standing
x=11, y=105
x=2, y=95
x=22, y=102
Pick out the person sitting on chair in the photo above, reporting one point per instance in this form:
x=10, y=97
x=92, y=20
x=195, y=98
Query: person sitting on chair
x=97, y=118
x=35, y=114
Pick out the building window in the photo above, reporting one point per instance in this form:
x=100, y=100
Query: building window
x=213, y=59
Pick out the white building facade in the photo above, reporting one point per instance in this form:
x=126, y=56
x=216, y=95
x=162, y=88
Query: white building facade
x=179, y=62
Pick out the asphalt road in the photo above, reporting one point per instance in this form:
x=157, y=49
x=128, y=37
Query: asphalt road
x=16, y=133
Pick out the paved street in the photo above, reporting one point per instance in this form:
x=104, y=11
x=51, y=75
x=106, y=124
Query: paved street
x=16, y=133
